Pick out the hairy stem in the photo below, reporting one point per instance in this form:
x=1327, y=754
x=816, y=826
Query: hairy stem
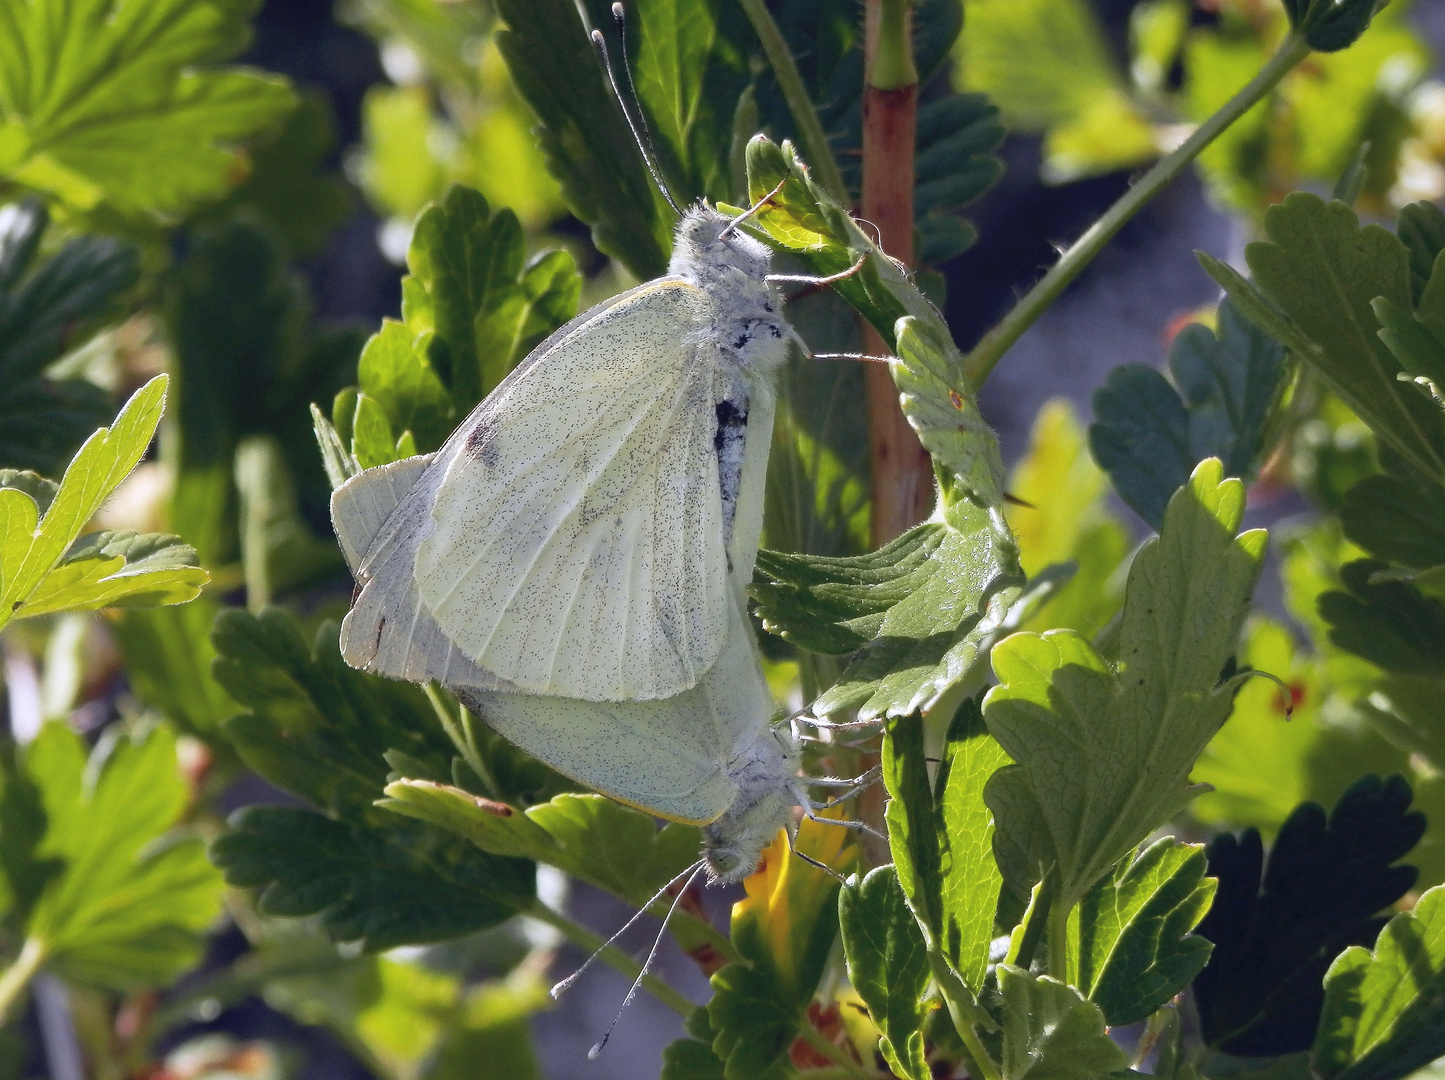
x=18, y=975
x=991, y=349
x=610, y=955
x=846, y=1065
x=805, y=118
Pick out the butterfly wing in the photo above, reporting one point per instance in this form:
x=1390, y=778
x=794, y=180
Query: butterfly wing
x=568, y=540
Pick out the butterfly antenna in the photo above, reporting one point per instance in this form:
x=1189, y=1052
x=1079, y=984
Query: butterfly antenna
x=692, y=873
x=640, y=133
x=566, y=984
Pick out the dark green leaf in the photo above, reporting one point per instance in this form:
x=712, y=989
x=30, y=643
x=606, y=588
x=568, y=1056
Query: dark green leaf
x=323, y=731
x=691, y=1059
x=1389, y=623
x=1397, y=517
x=1131, y=932
x=888, y=966
x=583, y=134
x=1276, y=928
x=380, y=887
x=754, y=1024
x=129, y=905
x=119, y=102
x=1105, y=750
x=1051, y=1033
x=23, y=871
x=45, y=309
x=1421, y=228
x=488, y=308
x=1384, y=1014
x=1315, y=281
x=1331, y=25
x=1148, y=435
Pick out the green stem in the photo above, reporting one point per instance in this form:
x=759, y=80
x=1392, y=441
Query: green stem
x=987, y=1070
x=1059, y=940
x=805, y=117
x=610, y=955
x=892, y=66
x=991, y=349
x=846, y=1065
x=18, y=975
x=962, y=1010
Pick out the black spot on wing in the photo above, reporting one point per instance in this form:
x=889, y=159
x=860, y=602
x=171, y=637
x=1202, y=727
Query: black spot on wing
x=479, y=445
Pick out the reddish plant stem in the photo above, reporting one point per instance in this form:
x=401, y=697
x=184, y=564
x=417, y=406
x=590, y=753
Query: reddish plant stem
x=902, y=475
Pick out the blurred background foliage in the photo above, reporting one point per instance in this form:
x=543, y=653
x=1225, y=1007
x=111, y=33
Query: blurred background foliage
x=231, y=194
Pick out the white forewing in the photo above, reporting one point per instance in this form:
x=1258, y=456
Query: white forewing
x=577, y=549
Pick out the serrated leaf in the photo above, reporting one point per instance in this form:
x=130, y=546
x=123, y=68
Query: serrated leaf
x=583, y=135
x=395, y=373
x=784, y=929
x=124, y=102
x=43, y=563
x=1104, y=750
x=916, y=610
x=1276, y=928
x=691, y=1059
x=1051, y=1033
x=1131, y=932
x=45, y=309
x=322, y=730
x=942, y=838
x=1389, y=623
x=888, y=966
x=1421, y=228
x=1149, y=434
x=1384, y=1013
x=129, y=904
x=1396, y=517
x=1315, y=281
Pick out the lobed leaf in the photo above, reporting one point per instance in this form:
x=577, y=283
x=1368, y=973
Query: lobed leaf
x=1051, y=1033
x=1104, y=750
x=1276, y=927
x=323, y=731
x=1390, y=623
x=124, y=102
x=888, y=966
x=130, y=901
x=1384, y=1012
x=1149, y=434
x=44, y=568
x=1131, y=934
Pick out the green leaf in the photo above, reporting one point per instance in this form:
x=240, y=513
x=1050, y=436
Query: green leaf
x=488, y=308
x=168, y=655
x=1049, y=67
x=1421, y=228
x=1384, y=1014
x=395, y=373
x=289, y=185
x=888, y=966
x=1051, y=1033
x=125, y=103
x=1389, y=623
x=916, y=611
x=691, y=1059
x=1331, y=25
x=1149, y=434
x=1131, y=932
x=585, y=139
x=1276, y=928
x=1104, y=750
x=44, y=568
x=47, y=308
x=589, y=837
x=23, y=871
x=1315, y=281
x=323, y=731
x=953, y=166
x=942, y=839
x=399, y=173
x=1399, y=517
x=129, y=905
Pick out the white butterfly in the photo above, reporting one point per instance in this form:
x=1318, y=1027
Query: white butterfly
x=573, y=562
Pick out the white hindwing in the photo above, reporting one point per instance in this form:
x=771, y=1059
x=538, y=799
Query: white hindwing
x=577, y=548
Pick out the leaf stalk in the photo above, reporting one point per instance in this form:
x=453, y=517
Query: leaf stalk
x=997, y=342
x=846, y=1066
x=18, y=975
x=810, y=133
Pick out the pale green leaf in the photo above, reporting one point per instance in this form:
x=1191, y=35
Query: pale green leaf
x=1104, y=750
x=399, y=173
x=1051, y=1033
x=122, y=101
x=128, y=908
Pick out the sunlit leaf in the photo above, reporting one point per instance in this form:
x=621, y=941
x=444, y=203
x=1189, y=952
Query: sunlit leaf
x=1049, y=1031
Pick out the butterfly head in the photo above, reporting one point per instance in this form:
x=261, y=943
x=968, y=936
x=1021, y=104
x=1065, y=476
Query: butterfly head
x=732, y=846
x=708, y=248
